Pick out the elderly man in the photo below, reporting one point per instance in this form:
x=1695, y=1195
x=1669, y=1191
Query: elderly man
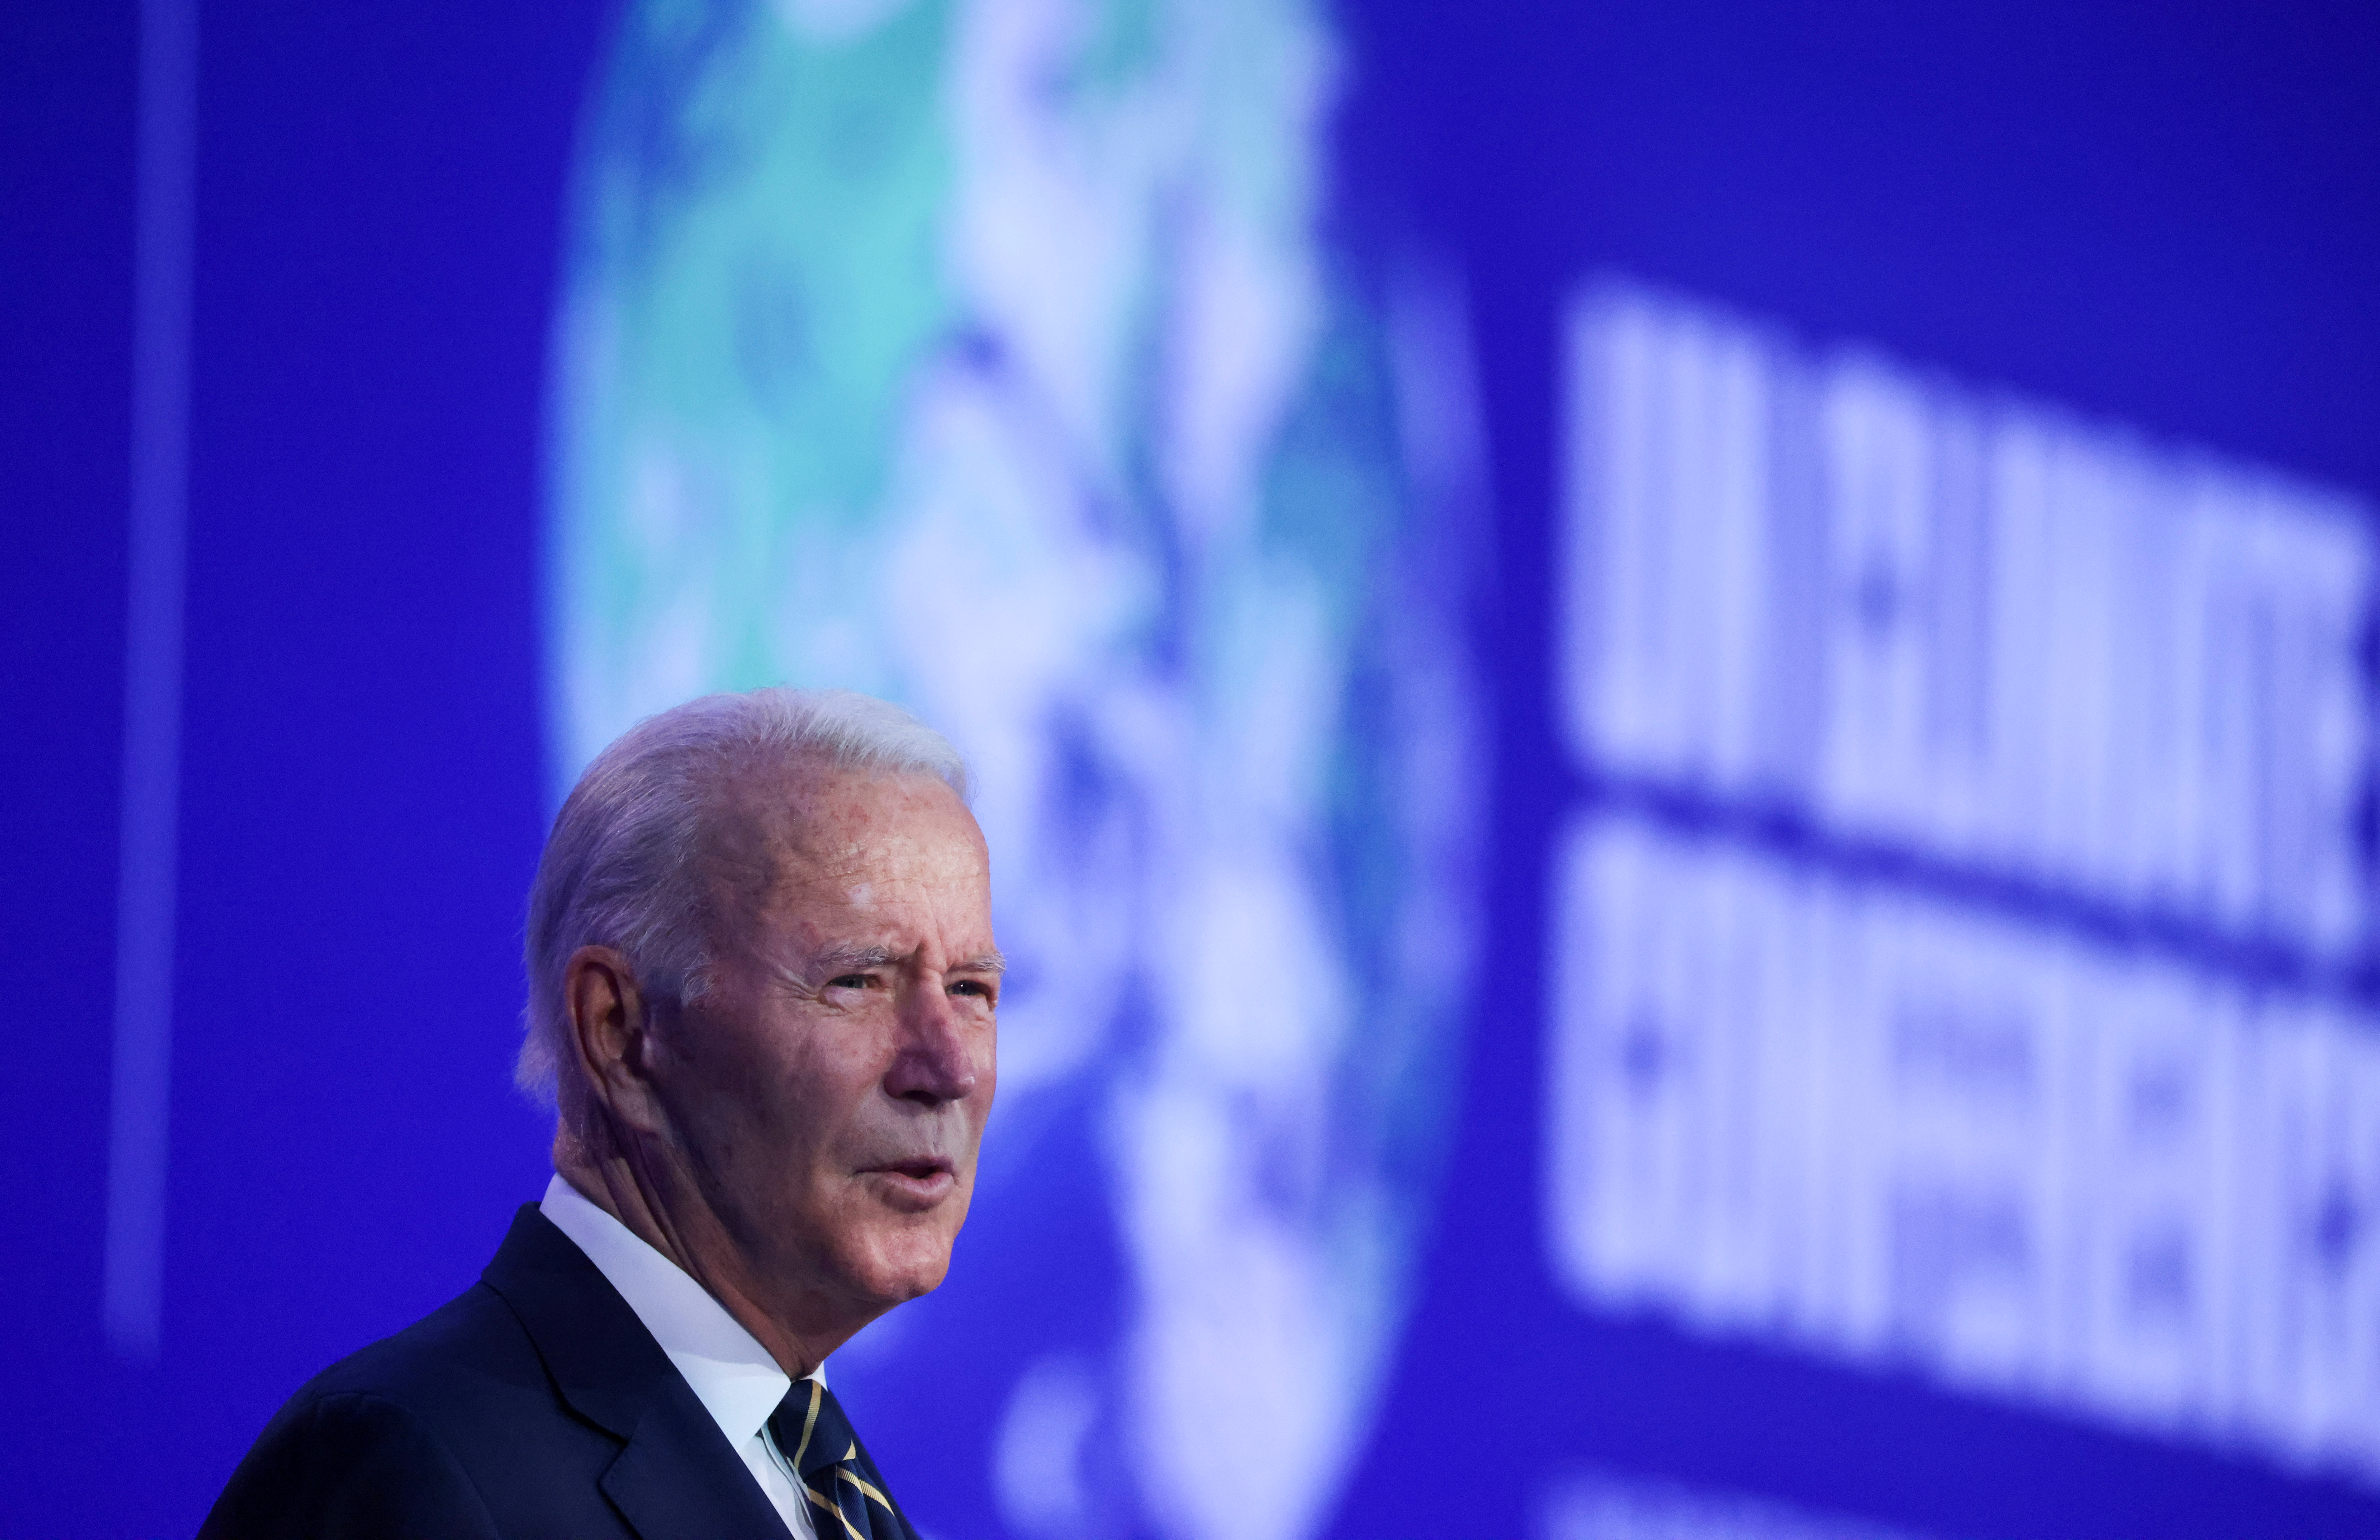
x=762, y=985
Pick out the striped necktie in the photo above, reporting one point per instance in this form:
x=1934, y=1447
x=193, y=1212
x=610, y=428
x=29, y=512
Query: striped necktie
x=841, y=1485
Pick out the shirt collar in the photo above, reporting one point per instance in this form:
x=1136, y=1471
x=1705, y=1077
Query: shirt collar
x=728, y=1370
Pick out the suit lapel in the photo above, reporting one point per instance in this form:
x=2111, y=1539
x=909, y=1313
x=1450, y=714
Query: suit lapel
x=680, y=1478
x=676, y=1475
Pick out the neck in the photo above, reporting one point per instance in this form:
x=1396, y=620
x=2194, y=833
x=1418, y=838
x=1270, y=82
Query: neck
x=665, y=1213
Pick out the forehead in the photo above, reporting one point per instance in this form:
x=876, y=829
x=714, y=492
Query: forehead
x=802, y=823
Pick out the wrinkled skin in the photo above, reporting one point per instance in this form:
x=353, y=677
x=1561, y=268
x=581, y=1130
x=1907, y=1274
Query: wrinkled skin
x=801, y=1137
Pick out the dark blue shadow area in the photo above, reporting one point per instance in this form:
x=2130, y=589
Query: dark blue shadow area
x=65, y=294
x=362, y=801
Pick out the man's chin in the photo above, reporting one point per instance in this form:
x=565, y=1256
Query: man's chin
x=899, y=1268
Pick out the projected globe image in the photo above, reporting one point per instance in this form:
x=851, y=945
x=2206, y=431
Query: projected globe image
x=988, y=358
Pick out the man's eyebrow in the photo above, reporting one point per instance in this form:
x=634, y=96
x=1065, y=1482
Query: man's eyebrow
x=842, y=960
x=835, y=961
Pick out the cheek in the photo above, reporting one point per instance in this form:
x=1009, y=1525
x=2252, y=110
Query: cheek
x=744, y=1093
x=825, y=1107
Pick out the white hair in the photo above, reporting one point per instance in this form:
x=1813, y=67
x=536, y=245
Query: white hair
x=624, y=865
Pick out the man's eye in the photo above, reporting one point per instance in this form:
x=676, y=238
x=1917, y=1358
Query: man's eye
x=849, y=981
x=971, y=987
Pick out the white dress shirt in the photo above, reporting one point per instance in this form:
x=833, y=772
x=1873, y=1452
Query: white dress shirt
x=730, y=1372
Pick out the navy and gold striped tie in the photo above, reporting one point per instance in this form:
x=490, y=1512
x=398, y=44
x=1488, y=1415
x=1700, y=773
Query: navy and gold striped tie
x=840, y=1483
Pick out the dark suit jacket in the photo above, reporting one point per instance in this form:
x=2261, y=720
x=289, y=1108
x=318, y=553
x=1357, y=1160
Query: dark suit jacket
x=535, y=1405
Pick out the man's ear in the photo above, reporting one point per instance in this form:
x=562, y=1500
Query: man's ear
x=611, y=1028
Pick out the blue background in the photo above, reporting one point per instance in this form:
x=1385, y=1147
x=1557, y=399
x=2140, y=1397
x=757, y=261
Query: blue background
x=2167, y=215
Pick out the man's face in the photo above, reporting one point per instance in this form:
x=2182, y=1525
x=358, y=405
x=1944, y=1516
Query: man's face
x=829, y=1090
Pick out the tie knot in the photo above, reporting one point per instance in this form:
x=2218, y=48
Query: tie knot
x=811, y=1429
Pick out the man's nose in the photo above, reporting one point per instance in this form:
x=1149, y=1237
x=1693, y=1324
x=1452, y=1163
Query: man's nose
x=936, y=1062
